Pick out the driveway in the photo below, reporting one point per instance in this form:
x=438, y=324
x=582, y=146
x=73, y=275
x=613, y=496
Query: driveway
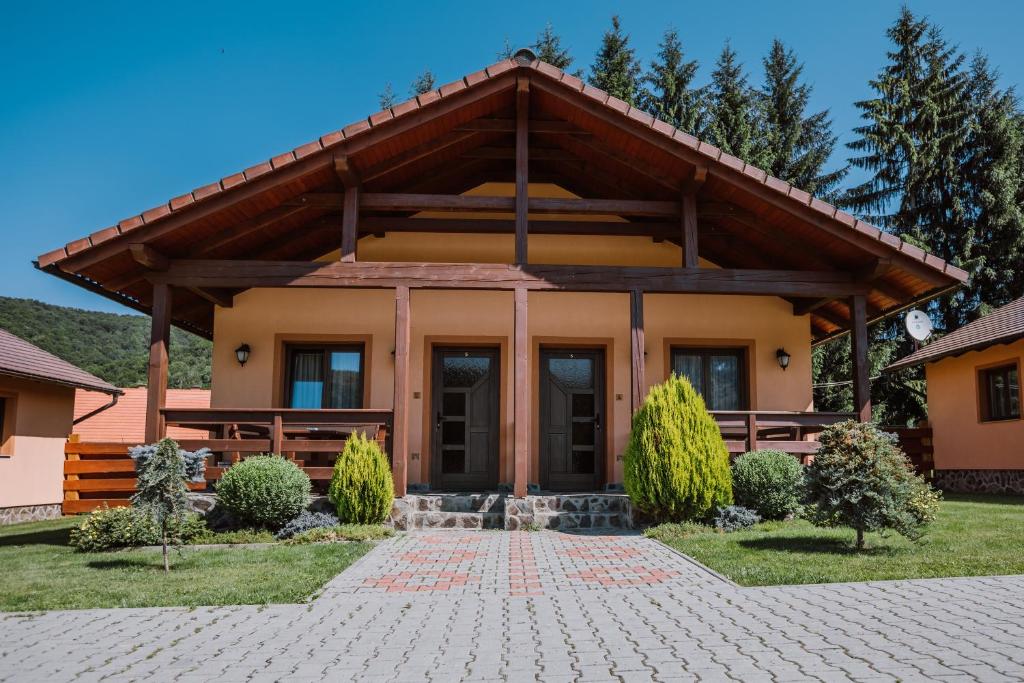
x=518, y=606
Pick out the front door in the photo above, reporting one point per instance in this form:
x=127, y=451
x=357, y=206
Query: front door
x=465, y=410
x=571, y=408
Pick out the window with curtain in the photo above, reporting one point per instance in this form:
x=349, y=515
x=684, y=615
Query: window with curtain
x=325, y=376
x=1000, y=393
x=719, y=375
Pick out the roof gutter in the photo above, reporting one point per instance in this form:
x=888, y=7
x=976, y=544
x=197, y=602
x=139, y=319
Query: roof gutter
x=93, y=413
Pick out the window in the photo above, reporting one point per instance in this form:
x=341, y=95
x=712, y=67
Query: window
x=1000, y=393
x=324, y=376
x=719, y=375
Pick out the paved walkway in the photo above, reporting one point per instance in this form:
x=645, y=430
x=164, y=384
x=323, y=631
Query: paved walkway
x=522, y=606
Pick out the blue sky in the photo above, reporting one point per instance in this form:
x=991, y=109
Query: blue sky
x=111, y=108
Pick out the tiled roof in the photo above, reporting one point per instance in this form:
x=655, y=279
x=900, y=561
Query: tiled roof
x=1001, y=326
x=521, y=62
x=126, y=421
x=18, y=358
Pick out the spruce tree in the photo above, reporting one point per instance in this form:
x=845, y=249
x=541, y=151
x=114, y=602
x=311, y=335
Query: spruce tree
x=799, y=145
x=386, y=98
x=422, y=84
x=616, y=69
x=670, y=95
x=549, y=49
x=733, y=124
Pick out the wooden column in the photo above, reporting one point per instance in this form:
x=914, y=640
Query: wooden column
x=689, y=228
x=636, y=319
x=859, y=349
x=522, y=168
x=159, y=338
x=521, y=392
x=400, y=428
x=350, y=208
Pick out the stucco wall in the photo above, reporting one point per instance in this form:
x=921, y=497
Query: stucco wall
x=960, y=439
x=36, y=426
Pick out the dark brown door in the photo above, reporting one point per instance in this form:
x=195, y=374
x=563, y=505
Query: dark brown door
x=571, y=414
x=465, y=412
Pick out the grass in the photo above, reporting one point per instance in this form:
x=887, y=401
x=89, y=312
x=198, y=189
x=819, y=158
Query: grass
x=40, y=571
x=972, y=536
x=343, y=532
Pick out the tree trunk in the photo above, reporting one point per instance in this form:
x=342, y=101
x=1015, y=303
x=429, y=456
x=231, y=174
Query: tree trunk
x=167, y=566
x=860, y=539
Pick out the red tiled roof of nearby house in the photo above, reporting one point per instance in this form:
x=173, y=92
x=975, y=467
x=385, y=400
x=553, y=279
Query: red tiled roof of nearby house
x=126, y=421
x=1001, y=326
x=19, y=358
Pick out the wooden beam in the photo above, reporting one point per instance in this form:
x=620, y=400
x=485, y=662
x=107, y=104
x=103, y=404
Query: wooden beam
x=221, y=297
x=370, y=225
x=508, y=125
x=159, y=340
x=418, y=153
x=243, y=229
x=148, y=257
x=636, y=317
x=522, y=168
x=859, y=349
x=386, y=201
x=521, y=395
x=599, y=152
x=344, y=170
x=498, y=276
x=400, y=426
x=536, y=154
x=350, y=224
x=689, y=230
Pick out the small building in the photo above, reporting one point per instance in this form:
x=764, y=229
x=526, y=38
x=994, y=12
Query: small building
x=974, y=402
x=125, y=422
x=37, y=409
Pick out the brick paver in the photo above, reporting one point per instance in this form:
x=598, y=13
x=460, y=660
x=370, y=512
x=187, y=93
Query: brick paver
x=522, y=606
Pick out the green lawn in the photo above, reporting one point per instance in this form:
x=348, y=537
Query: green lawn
x=972, y=536
x=40, y=571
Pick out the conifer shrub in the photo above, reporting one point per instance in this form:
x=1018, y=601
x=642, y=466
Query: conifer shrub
x=264, y=491
x=361, y=488
x=676, y=463
x=770, y=482
x=734, y=518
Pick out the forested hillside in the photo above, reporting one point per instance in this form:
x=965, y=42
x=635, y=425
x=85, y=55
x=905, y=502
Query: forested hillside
x=111, y=346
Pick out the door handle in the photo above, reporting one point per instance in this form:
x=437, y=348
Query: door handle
x=597, y=420
x=440, y=418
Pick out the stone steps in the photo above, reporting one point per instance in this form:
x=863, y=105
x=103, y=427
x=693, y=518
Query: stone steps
x=567, y=512
x=456, y=520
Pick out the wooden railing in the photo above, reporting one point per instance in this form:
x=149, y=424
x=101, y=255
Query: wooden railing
x=748, y=430
x=916, y=442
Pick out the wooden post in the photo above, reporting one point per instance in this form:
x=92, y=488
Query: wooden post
x=522, y=168
x=521, y=391
x=159, y=338
x=859, y=349
x=636, y=318
x=689, y=228
x=349, y=224
x=752, y=432
x=400, y=428
x=70, y=454
x=277, y=435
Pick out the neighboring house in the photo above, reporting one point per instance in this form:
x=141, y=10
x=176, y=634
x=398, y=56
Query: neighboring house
x=974, y=402
x=126, y=421
x=37, y=404
x=492, y=275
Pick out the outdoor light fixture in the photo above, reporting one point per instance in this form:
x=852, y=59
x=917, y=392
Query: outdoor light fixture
x=242, y=354
x=783, y=357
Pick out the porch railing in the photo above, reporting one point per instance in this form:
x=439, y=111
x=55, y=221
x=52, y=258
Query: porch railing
x=747, y=430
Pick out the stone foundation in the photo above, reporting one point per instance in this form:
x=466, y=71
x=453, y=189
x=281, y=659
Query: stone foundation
x=501, y=511
x=980, y=481
x=29, y=513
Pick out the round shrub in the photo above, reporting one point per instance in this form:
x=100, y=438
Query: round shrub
x=734, y=518
x=127, y=527
x=305, y=521
x=264, y=491
x=770, y=482
x=862, y=480
x=361, y=488
x=676, y=463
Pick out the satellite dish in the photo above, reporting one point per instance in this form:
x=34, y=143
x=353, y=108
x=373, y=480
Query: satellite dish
x=919, y=325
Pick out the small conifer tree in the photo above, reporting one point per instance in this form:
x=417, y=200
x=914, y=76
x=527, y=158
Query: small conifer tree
x=161, y=490
x=361, y=487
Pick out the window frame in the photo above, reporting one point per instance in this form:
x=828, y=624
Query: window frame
x=982, y=375
x=325, y=349
x=742, y=352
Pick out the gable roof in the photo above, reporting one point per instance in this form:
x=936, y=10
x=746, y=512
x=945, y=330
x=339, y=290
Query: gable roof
x=1002, y=326
x=259, y=196
x=19, y=358
x=125, y=422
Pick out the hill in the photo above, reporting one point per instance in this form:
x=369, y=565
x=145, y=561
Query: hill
x=111, y=346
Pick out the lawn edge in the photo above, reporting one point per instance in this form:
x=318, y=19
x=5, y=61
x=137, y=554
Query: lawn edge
x=699, y=565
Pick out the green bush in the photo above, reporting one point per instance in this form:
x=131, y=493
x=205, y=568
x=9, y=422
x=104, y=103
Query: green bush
x=861, y=479
x=126, y=527
x=342, y=532
x=770, y=482
x=264, y=491
x=361, y=487
x=676, y=463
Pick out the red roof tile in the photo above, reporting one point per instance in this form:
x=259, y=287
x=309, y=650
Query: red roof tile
x=125, y=422
x=19, y=358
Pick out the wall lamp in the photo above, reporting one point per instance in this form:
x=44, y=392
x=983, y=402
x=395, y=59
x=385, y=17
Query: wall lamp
x=783, y=357
x=242, y=354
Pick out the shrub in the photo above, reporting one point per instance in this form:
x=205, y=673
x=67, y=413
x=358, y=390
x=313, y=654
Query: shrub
x=305, y=521
x=342, y=532
x=264, y=491
x=673, y=531
x=361, y=487
x=734, y=518
x=861, y=479
x=770, y=482
x=125, y=527
x=193, y=463
x=676, y=464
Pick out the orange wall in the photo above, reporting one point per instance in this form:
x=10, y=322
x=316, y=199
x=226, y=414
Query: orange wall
x=960, y=439
x=36, y=425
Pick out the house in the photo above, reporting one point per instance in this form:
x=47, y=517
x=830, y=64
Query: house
x=125, y=422
x=37, y=402
x=489, y=277
x=974, y=402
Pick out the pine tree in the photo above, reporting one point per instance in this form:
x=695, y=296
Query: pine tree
x=799, y=144
x=161, y=489
x=670, y=96
x=422, y=84
x=549, y=49
x=616, y=69
x=506, y=51
x=733, y=124
x=386, y=98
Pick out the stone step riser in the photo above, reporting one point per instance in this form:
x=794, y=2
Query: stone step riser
x=497, y=511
